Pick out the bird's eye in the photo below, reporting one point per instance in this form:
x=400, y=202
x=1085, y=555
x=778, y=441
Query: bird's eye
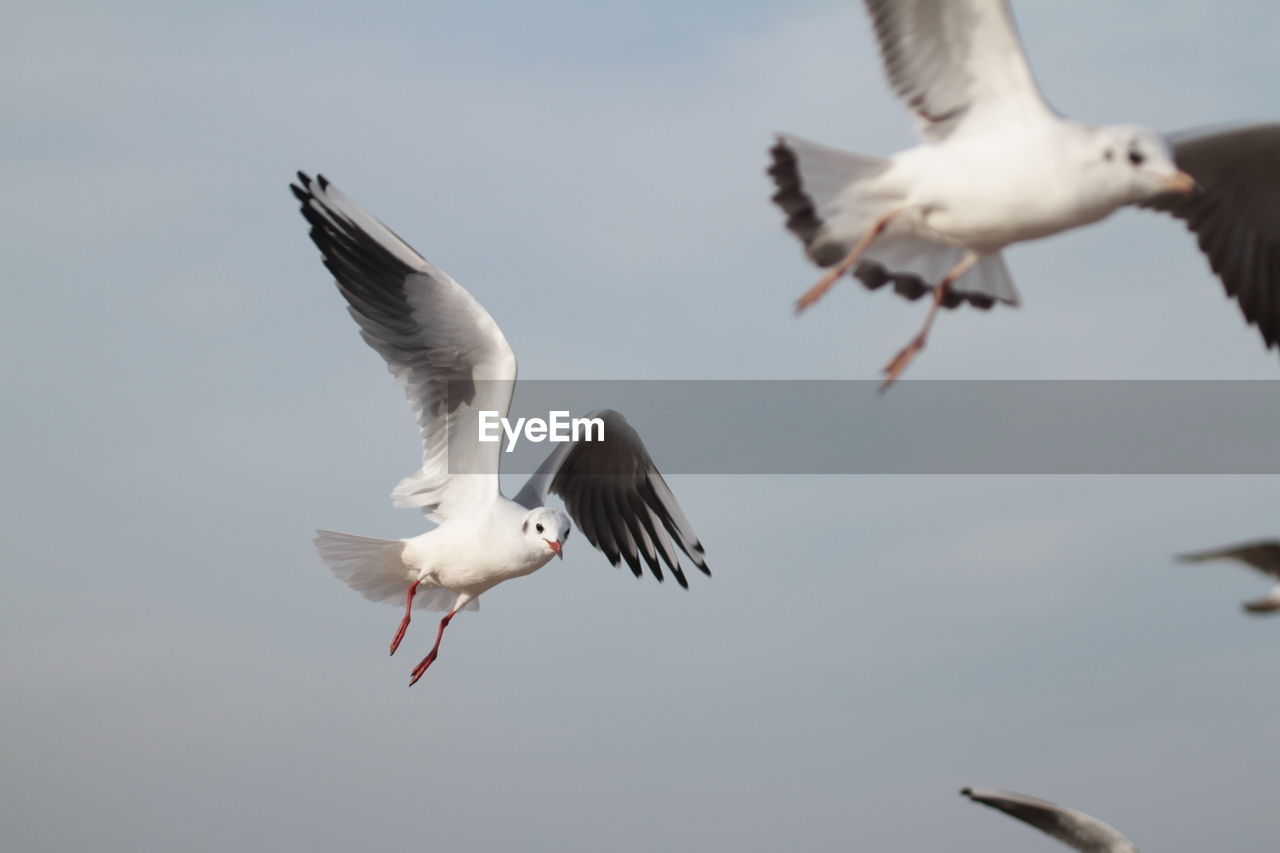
x=1136, y=157
x=538, y=527
x=565, y=537
x=1108, y=155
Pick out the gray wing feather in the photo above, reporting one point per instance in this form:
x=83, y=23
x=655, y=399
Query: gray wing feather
x=949, y=59
x=1073, y=828
x=1235, y=214
x=618, y=499
x=1263, y=555
x=439, y=343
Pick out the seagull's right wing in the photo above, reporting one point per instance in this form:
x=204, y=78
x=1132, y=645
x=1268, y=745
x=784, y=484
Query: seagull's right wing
x=1235, y=214
x=440, y=344
x=1072, y=828
x=1263, y=555
x=953, y=60
x=618, y=499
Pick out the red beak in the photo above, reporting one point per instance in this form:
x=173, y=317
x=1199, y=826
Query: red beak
x=556, y=547
x=1181, y=182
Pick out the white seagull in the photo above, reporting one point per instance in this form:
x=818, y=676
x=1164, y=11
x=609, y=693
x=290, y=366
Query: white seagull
x=997, y=166
x=453, y=361
x=1073, y=828
x=1263, y=555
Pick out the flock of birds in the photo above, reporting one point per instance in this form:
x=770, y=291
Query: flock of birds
x=996, y=166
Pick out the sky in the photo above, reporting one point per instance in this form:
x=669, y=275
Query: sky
x=189, y=401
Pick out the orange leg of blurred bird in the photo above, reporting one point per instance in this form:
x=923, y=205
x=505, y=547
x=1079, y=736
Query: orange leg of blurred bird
x=435, y=650
x=404, y=623
x=899, y=362
x=816, y=292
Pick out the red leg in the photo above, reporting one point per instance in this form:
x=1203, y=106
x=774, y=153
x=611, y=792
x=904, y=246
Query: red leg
x=435, y=650
x=404, y=623
x=816, y=292
x=899, y=362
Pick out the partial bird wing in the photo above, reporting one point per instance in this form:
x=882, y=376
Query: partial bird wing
x=1073, y=828
x=954, y=61
x=1269, y=603
x=1235, y=214
x=1263, y=555
x=440, y=344
x=617, y=497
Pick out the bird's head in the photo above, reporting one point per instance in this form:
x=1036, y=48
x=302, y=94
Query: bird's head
x=546, y=530
x=1140, y=164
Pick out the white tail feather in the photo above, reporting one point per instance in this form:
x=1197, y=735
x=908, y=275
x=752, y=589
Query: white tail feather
x=375, y=568
x=828, y=192
x=912, y=263
x=833, y=197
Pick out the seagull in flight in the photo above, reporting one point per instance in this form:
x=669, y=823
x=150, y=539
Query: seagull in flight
x=1073, y=828
x=453, y=362
x=1263, y=555
x=997, y=165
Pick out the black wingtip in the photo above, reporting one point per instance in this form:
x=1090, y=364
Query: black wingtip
x=802, y=219
x=875, y=275
x=323, y=181
x=781, y=161
x=967, y=792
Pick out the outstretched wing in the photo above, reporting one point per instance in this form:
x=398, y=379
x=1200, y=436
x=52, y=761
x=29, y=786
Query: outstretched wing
x=1235, y=214
x=618, y=499
x=442, y=347
x=1072, y=828
x=955, y=60
x=1263, y=555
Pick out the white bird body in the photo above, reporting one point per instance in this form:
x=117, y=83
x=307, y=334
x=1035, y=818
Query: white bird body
x=452, y=564
x=453, y=362
x=471, y=555
x=983, y=191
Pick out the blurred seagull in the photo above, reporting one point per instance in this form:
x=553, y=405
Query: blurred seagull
x=1263, y=555
x=1073, y=828
x=452, y=360
x=998, y=166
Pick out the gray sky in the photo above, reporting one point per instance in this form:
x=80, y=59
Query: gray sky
x=189, y=400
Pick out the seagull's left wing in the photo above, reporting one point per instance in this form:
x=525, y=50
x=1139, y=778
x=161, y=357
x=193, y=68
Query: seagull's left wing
x=617, y=497
x=952, y=60
x=440, y=344
x=1071, y=827
x=1235, y=214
